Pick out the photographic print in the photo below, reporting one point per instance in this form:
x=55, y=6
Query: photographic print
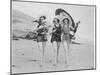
x=52, y=37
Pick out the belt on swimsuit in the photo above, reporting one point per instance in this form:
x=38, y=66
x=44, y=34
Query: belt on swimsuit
x=66, y=33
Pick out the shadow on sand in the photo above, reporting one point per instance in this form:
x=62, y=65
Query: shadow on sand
x=34, y=60
x=73, y=42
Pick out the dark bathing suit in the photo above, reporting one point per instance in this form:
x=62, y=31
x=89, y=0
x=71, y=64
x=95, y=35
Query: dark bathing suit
x=56, y=36
x=40, y=36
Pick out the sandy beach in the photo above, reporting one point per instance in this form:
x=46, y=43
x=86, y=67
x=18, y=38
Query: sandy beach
x=26, y=57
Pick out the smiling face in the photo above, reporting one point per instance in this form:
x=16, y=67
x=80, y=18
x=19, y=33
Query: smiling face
x=56, y=22
x=66, y=21
x=42, y=18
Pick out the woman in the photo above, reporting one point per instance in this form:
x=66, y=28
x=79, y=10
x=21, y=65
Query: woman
x=61, y=13
x=56, y=37
x=42, y=30
x=66, y=38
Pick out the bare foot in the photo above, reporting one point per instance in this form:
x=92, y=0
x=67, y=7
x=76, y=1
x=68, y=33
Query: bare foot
x=66, y=62
x=66, y=65
x=13, y=65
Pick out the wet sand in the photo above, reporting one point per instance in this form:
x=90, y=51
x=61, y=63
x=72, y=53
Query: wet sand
x=26, y=57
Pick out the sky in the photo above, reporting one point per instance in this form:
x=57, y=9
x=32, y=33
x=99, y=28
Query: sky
x=84, y=14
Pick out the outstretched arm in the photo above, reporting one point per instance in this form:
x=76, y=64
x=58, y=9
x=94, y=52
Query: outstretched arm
x=76, y=26
x=35, y=21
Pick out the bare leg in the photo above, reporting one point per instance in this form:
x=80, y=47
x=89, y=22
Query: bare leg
x=68, y=44
x=43, y=50
x=58, y=46
x=54, y=49
x=43, y=46
x=65, y=46
x=53, y=46
x=39, y=47
x=41, y=55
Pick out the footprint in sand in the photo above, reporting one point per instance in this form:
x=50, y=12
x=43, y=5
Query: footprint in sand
x=35, y=60
x=55, y=65
x=23, y=54
x=50, y=61
x=13, y=65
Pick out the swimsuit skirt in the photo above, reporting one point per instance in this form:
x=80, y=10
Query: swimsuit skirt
x=41, y=36
x=66, y=33
x=56, y=36
x=65, y=36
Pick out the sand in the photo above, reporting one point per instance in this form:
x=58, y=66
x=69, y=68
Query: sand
x=26, y=57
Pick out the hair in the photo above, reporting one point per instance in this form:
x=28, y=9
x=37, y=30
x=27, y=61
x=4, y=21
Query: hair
x=39, y=21
x=58, y=21
x=43, y=17
x=66, y=19
x=60, y=10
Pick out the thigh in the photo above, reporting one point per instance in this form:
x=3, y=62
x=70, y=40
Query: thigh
x=54, y=45
x=65, y=45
